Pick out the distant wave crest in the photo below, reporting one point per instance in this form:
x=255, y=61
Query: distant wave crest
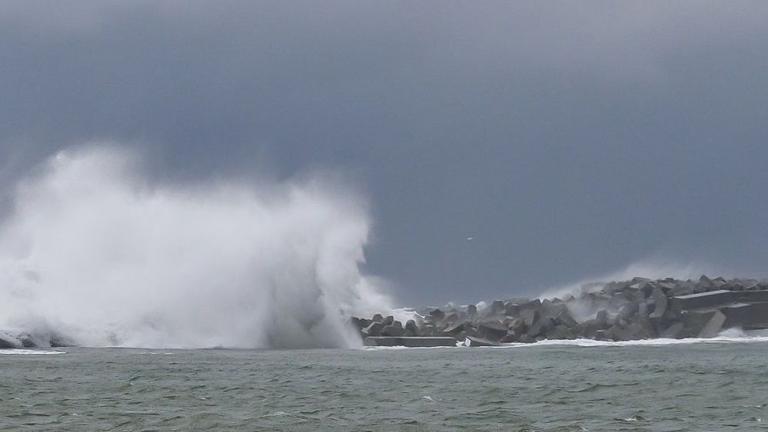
x=644, y=342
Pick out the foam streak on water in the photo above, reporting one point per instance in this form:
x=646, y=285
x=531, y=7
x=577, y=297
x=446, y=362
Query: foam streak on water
x=29, y=352
x=644, y=342
x=683, y=387
x=94, y=251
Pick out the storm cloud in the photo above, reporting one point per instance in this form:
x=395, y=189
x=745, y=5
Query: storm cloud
x=566, y=139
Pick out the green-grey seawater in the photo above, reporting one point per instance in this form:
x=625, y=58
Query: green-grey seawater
x=682, y=387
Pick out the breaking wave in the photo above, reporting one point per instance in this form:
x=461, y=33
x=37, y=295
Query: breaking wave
x=95, y=252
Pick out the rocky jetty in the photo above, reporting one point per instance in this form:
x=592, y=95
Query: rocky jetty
x=617, y=311
x=10, y=339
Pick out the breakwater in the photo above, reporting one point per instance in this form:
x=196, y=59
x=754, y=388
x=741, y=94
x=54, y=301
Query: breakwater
x=617, y=311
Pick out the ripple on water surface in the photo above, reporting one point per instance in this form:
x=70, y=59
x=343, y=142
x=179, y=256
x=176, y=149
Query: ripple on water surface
x=548, y=387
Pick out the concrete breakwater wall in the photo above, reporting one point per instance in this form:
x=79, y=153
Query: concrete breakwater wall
x=619, y=311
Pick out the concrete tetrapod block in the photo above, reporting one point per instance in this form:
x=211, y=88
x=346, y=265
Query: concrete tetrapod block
x=703, y=324
x=411, y=329
x=374, y=329
x=673, y=331
x=394, y=329
x=492, y=330
x=7, y=342
x=713, y=326
x=457, y=328
x=660, y=303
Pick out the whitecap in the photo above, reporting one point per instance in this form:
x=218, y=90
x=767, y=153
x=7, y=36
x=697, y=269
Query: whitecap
x=590, y=343
x=28, y=352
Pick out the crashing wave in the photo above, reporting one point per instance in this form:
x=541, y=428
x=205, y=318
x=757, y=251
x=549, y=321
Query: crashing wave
x=95, y=253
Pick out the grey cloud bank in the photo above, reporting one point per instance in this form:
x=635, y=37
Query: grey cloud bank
x=566, y=139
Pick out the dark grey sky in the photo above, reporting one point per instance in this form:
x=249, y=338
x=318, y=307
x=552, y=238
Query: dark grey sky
x=568, y=138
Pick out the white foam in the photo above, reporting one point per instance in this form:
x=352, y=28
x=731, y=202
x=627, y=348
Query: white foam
x=589, y=343
x=648, y=268
x=733, y=336
x=28, y=352
x=95, y=251
x=402, y=347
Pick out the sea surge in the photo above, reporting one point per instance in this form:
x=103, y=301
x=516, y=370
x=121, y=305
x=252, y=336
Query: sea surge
x=95, y=254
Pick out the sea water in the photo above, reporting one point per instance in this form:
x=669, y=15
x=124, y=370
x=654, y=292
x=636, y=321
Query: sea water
x=575, y=386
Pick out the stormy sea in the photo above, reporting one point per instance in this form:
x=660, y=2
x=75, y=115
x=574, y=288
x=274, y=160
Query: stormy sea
x=128, y=304
x=575, y=386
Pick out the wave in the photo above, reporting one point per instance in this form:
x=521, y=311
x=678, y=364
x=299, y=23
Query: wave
x=95, y=251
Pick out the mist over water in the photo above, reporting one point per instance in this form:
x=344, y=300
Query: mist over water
x=94, y=251
x=652, y=268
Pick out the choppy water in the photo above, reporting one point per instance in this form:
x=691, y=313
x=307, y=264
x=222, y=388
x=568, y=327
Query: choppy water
x=682, y=387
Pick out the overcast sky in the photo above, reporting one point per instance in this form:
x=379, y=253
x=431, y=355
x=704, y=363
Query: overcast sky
x=568, y=139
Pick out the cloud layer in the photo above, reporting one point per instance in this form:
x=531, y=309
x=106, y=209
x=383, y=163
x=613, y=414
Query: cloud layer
x=567, y=139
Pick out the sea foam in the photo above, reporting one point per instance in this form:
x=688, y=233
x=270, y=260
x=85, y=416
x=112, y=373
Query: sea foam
x=590, y=343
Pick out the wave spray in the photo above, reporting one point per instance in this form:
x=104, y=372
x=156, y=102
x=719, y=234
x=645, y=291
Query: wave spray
x=93, y=251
